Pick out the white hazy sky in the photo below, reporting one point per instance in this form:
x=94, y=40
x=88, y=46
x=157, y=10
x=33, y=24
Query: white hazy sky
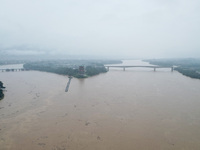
x=134, y=28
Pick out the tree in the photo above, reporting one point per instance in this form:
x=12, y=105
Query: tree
x=1, y=91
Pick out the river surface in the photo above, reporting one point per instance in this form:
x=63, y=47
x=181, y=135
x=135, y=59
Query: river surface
x=136, y=109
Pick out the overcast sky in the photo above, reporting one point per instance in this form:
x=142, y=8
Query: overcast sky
x=134, y=28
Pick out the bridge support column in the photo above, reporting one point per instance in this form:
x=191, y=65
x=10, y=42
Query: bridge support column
x=107, y=68
x=124, y=68
x=172, y=69
x=154, y=69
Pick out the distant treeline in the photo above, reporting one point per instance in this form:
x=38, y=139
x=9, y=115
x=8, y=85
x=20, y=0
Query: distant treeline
x=7, y=62
x=1, y=90
x=189, y=67
x=70, y=67
x=42, y=66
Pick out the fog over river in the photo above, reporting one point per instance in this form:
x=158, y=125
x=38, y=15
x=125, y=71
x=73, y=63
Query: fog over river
x=136, y=109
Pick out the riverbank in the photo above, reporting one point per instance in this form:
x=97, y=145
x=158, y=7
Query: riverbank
x=189, y=66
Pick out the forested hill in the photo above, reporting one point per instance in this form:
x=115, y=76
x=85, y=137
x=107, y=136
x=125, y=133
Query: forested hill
x=189, y=66
x=71, y=67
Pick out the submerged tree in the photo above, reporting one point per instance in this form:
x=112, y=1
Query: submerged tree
x=1, y=91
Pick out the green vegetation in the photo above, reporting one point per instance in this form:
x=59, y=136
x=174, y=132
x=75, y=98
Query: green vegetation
x=71, y=67
x=189, y=67
x=1, y=94
x=42, y=66
x=91, y=70
x=1, y=90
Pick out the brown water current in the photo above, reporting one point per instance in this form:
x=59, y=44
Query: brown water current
x=136, y=109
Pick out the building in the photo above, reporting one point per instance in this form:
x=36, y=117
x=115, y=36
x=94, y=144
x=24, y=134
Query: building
x=81, y=70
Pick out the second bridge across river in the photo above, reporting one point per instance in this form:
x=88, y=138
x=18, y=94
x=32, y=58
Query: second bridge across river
x=124, y=67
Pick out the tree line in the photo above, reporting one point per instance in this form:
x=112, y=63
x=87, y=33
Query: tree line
x=91, y=69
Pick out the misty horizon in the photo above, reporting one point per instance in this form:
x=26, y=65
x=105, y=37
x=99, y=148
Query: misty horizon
x=102, y=29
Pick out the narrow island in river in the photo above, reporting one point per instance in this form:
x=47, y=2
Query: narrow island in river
x=75, y=68
x=188, y=66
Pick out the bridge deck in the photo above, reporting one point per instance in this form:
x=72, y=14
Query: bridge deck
x=12, y=69
x=138, y=66
x=154, y=67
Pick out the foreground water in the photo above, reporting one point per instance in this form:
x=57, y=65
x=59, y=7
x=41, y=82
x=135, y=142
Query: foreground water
x=134, y=109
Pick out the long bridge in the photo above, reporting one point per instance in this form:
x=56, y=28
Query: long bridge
x=124, y=67
x=12, y=69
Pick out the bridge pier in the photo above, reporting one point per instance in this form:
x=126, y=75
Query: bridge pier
x=124, y=68
x=172, y=69
x=154, y=69
x=107, y=68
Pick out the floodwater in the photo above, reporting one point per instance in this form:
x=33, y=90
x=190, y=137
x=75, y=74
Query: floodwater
x=136, y=109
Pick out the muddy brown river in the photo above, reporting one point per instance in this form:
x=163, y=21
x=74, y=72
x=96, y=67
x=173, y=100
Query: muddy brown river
x=136, y=109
